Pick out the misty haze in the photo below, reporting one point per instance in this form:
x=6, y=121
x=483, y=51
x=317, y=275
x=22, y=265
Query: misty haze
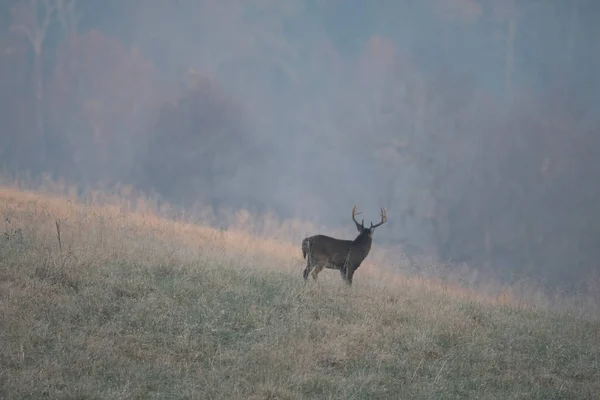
x=299, y=199
x=473, y=122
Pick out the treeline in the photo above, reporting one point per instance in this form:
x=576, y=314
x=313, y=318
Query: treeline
x=92, y=110
x=491, y=164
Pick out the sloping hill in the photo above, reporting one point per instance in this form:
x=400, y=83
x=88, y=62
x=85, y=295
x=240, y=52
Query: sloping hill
x=95, y=303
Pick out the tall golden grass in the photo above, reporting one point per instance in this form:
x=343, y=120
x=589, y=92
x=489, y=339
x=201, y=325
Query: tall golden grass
x=110, y=294
x=277, y=242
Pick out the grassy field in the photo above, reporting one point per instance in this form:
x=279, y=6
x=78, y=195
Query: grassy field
x=96, y=303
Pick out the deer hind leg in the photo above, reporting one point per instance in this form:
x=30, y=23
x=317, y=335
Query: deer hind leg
x=306, y=272
x=312, y=268
x=308, y=268
x=317, y=268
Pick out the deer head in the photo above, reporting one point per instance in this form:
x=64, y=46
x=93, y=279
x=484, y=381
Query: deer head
x=361, y=226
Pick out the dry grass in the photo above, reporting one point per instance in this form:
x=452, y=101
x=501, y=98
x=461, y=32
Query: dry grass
x=129, y=305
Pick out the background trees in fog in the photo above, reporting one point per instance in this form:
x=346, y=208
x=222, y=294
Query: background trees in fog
x=471, y=121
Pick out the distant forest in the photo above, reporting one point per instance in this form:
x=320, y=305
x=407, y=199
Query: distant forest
x=474, y=122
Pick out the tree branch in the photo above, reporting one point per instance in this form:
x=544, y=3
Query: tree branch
x=67, y=15
x=37, y=31
x=49, y=10
x=25, y=30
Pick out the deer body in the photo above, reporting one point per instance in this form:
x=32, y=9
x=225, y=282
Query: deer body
x=322, y=251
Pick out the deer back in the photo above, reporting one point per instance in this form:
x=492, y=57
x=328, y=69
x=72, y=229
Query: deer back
x=326, y=248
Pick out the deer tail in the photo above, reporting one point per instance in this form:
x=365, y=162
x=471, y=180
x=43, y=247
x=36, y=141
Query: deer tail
x=305, y=247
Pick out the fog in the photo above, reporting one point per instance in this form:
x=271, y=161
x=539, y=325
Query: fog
x=471, y=121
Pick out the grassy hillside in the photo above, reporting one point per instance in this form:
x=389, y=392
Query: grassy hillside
x=96, y=303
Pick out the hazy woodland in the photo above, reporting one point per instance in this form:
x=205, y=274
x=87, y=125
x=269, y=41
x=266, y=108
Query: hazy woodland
x=472, y=121
x=161, y=161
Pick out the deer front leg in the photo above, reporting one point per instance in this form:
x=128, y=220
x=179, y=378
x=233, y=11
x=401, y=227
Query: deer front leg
x=349, y=274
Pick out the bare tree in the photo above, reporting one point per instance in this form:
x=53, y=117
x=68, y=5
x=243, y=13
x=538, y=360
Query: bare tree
x=508, y=13
x=67, y=16
x=32, y=19
x=572, y=31
x=511, y=13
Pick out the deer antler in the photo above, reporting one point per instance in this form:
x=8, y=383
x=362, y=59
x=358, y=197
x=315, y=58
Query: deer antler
x=383, y=219
x=354, y=214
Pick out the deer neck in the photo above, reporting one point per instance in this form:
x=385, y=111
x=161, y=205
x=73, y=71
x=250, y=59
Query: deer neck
x=363, y=242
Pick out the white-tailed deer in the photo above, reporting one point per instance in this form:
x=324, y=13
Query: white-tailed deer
x=322, y=251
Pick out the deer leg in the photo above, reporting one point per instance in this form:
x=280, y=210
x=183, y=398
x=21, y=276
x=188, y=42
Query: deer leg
x=349, y=275
x=307, y=269
x=343, y=273
x=318, y=268
x=306, y=272
x=348, y=269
